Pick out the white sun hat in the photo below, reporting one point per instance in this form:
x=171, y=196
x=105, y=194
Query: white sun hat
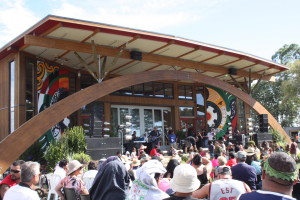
x=185, y=179
x=73, y=166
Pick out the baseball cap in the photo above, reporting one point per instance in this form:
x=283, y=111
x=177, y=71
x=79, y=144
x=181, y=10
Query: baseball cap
x=223, y=170
x=241, y=155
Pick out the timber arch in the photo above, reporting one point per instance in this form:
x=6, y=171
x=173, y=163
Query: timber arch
x=29, y=132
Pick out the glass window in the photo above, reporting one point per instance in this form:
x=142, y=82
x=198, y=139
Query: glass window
x=30, y=90
x=158, y=89
x=12, y=95
x=148, y=119
x=186, y=111
x=188, y=92
x=200, y=101
x=123, y=113
x=126, y=91
x=181, y=92
x=148, y=89
x=138, y=90
x=168, y=90
x=135, y=113
x=114, y=119
x=185, y=92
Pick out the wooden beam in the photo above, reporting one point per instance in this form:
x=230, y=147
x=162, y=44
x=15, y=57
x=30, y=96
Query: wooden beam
x=147, y=57
x=164, y=46
x=237, y=83
x=30, y=131
x=86, y=66
x=255, y=86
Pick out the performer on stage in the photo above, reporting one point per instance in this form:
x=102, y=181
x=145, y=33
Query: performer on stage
x=154, y=137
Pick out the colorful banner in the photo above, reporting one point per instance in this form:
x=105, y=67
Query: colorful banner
x=52, y=86
x=220, y=110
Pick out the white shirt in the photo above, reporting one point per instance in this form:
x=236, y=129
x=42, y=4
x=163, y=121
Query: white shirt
x=210, y=135
x=90, y=173
x=61, y=172
x=226, y=188
x=18, y=192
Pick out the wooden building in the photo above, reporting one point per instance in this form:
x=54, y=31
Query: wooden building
x=63, y=72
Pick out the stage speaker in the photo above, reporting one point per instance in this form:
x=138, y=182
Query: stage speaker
x=232, y=71
x=136, y=55
x=260, y=137
x=263, y=123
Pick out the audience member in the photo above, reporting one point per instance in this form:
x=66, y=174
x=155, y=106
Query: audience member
x=244, y=172
x=13, y=178
x=279, y=175
x=184, y=183
x=62, y=169
x=223, y=188
x=111, y=181
x=92, y=170
x=30, y=174
x=146, y=184
x=72, y=180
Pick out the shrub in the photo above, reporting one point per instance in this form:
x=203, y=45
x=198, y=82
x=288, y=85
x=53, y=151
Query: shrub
x=81, y=157
x=75, y=139
x=70, y=143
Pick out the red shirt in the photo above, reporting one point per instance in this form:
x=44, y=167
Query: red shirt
x=7, y=180
x=231, y=162
x=153, y=152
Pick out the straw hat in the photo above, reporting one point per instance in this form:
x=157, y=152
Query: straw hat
x=73, y=166
x=184, y=179
x=250, y=151
x=136, y=163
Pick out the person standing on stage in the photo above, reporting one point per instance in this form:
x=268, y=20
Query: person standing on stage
x=154, y=137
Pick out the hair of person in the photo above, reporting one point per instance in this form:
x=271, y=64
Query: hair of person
x=156, y=158
x=231, y=155
x=155, y=146
x=18, y=163
x=222, y=160
x=157, y=176
x=63, y=163
x=216, y=155
x=197, y=160
x=92, y=165
x=209, y=142
x=118, y=152
x=29, y=170
x=171, y=167
x=249, y=160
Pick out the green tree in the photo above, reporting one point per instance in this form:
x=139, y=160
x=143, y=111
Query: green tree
x=281, y=98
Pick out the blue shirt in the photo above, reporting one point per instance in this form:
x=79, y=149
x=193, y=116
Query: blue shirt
x=246, y=173
x=264, y=195
x=172, y=138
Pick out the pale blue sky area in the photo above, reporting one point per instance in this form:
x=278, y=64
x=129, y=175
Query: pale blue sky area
x=258, y=27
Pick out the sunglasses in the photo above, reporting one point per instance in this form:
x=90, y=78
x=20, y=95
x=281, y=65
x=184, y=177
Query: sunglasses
x=14, y=171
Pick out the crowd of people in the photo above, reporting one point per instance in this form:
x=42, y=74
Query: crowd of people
x=221, y=171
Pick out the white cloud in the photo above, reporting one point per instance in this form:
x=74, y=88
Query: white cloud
x=14, y=19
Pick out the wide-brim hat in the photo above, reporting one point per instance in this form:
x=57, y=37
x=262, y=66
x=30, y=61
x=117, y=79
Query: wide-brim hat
x=250, y=151
x=184, y=179
x=136, y=163
x=73, y=166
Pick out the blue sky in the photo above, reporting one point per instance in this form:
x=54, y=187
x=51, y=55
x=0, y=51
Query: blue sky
x=258, y=27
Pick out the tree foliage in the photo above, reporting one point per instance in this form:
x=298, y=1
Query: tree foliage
x=281, y=98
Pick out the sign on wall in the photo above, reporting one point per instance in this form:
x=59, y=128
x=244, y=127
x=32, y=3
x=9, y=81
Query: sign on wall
x=52, y=86
x=220, y=110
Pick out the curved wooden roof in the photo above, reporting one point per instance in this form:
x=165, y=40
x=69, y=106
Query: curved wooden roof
x=56, y=38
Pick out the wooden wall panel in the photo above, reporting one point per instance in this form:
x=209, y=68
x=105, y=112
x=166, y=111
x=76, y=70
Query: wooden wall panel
x=4, y=95
x=30, y=131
